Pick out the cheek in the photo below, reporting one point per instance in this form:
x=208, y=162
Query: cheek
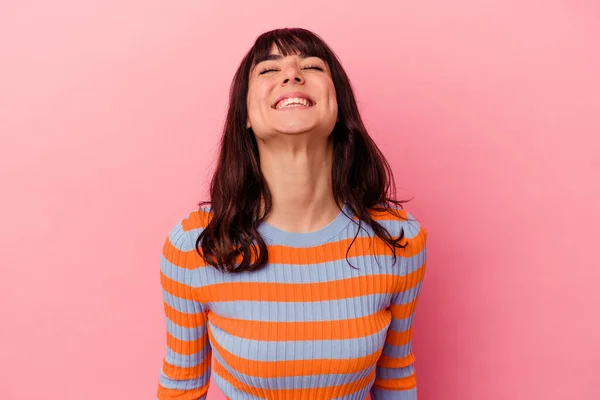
x=333, y=100
x=251, y=104
x=256, y=99
x=250, y=98
x=331, y=94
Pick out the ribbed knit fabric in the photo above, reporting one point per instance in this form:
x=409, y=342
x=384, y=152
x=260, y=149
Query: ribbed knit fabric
x=307, y=326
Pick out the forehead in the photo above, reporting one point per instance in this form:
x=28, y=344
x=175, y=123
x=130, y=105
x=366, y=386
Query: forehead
x=274, y=49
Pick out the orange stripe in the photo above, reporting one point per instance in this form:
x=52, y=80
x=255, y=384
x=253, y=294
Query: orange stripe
x=295, y=394
x=185, y=259
x=304, y=292
x=184, y=320
x=406, y=383
x=398, y=338
x=275, y=369
x=184, y=347
x=400, y=311
x=196, y=219
x=189, y=394
x=186, y=372
x=279, y=254
x=391, y=362
x=310, y=330
x=177, y=289
x=406, y=310
x=365, y=245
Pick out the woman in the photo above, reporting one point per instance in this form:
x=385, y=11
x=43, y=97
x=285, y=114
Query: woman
x=289, y=276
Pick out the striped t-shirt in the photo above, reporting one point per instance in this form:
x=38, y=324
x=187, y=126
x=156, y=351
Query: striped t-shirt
x=306, y=326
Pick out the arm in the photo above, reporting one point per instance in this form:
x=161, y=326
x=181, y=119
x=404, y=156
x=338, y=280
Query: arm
x=395, y=374
x=185, y=371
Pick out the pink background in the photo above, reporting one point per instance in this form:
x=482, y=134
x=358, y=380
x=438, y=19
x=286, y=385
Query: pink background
x=488, y=111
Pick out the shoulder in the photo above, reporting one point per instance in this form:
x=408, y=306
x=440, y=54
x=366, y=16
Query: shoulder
x=179, y=248
x=398, y=219
x=181, y=238
x=196, y=219
x=192, y=222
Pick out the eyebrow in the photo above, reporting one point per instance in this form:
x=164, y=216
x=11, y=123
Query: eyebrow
x=279, y=57
x=274, y=57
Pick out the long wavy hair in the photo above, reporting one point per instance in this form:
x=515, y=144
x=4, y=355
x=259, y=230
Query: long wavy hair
x=360, y=174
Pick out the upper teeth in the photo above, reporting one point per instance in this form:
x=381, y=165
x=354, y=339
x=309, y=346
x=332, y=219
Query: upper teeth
x=292, y=100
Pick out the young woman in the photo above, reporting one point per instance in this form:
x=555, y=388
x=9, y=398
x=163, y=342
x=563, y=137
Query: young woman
x=301, y=275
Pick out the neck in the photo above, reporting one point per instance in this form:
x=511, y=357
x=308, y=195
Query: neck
x=301, y=187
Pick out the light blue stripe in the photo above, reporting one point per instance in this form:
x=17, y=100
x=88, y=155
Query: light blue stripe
x=182, y=305
x=181, y=239
x=407, y=296
x=187, y=361
x=395, y=373
x=184, y=384
x=411, y=228
x=401, y=324
x=231, y=392
x=273, y=235
x=327, y=271
x=174, y=272
x=397, y=351
x=358, y=395
x=259, y=350
x=328, y=310
x=185, y=334
x=394, y=394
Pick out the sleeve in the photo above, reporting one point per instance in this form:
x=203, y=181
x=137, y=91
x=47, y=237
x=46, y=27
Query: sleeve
x=186, y=369
x=395, y=372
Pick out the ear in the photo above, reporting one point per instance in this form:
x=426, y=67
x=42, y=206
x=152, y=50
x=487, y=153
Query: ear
x=248, y=125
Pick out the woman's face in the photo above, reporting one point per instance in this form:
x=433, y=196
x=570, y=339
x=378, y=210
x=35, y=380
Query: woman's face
x=306, y=78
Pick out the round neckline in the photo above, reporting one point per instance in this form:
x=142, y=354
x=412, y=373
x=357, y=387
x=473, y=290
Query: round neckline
x=276, y=236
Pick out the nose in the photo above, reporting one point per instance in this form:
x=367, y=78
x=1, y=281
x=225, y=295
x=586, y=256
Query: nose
x=292, y=73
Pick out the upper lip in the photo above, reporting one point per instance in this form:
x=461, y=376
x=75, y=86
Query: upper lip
x=293, y=94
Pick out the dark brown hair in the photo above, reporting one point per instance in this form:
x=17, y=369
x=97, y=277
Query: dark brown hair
x=360, y=174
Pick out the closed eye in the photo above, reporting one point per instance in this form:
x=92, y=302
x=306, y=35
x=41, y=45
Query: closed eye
x=264, y=71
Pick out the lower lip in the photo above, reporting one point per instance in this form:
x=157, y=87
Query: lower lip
x=293, y=108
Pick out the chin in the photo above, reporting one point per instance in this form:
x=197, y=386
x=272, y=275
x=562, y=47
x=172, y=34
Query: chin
x=296, y=127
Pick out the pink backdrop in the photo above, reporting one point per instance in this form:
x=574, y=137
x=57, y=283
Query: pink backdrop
x=488, y=111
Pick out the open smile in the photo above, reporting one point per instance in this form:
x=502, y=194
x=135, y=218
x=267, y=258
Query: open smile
x=294, y=100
